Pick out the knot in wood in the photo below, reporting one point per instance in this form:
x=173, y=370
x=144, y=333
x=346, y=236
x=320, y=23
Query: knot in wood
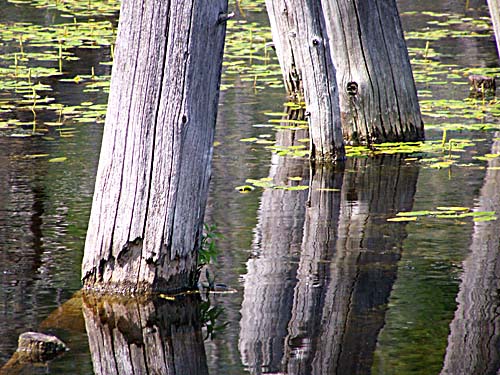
x=352, y=88
x=224, y=17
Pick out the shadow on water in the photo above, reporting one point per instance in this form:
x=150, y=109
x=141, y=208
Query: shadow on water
x=324, y=264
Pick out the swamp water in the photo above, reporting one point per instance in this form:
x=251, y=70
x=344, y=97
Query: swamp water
x=325, y=284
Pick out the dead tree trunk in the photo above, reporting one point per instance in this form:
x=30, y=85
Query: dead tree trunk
x=377, y=94
x=300, y=38
x=154, y=168
x=494, y=6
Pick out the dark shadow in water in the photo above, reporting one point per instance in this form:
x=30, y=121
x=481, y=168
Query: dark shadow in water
x=474, y=340
x=22, y=208
x=152, y=337
x=325, y=263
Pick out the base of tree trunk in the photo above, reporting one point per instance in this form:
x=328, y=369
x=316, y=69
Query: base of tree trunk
x=175, y=284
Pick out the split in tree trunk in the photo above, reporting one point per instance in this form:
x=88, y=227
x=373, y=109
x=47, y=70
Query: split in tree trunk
x=152, y=181
x=377, y=93
x=301, y=42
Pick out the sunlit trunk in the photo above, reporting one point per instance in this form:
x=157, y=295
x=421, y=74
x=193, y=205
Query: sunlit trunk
x=299, y=34
x=365, y=44
x=154, y=168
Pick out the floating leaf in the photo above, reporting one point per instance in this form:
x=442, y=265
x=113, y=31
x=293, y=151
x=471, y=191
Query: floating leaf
x=402, y=218
x=292, y=188
x=58, y=160
x=35, y=156
x=452, y=208
x=413, y=213
x=484, y=218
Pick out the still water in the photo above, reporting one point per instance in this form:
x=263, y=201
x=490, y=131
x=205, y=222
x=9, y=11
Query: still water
x=324, y=283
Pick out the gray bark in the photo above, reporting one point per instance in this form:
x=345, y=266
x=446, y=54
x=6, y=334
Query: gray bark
x=132, y=337
x=494, y=6
x=377, y=93
x=475, y=330
x=299, y=34
x=154, y=168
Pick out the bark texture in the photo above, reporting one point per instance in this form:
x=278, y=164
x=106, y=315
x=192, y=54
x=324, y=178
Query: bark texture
x=475, y=330
x=154, y=168
x=494, y=6
x=132, y=337
x=377, y=93
x=299, y=34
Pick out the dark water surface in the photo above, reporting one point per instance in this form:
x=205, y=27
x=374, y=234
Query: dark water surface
x=324, y=284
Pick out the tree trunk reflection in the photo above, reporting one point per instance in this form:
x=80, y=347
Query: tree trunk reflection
x=153, y=337
x=347, y=266
x=270, y=280
x=474, y=337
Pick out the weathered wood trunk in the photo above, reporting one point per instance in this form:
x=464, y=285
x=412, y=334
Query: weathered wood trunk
x=299, y=34
x=475, y=330
x=377, y=94
x=132, y=337
x=154, y=168
x=494, y=6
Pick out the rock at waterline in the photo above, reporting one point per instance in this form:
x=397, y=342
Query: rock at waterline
x=39, y=347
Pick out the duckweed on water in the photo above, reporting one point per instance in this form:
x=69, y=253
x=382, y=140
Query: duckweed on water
x=446, y=213
x=36, y=56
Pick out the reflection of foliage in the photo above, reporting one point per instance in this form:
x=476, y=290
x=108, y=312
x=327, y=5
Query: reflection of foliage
x=210, y=319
